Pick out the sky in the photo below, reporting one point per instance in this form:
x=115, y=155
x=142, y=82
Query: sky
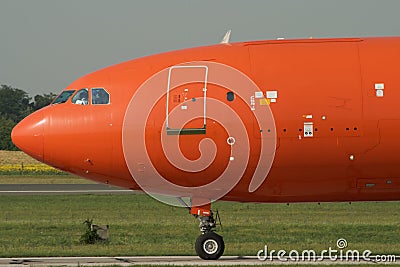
x=47, y=44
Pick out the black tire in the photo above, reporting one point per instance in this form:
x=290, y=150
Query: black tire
x=210, y=246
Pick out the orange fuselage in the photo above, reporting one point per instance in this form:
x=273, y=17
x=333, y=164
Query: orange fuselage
x=330, y=125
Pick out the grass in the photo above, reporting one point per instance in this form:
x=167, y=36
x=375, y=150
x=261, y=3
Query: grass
x=18, y=163
x=139, y=225
x=16, y=158
x=35, y=172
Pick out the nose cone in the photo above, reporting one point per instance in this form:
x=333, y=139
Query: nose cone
x=28, y=134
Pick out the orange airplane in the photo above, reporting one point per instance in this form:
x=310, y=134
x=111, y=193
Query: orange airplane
x=313, y=120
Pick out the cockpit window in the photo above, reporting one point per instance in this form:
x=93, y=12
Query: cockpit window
x=100, y=96
x=81, y=97
x=63, y=97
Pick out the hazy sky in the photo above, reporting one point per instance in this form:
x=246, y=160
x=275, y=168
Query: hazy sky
x=47, y=44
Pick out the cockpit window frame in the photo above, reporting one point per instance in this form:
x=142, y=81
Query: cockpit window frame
x=93, y=98
x=73, y=100
x=71, y=91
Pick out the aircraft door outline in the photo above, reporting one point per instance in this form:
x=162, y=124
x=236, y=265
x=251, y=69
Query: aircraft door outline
x=182, y=110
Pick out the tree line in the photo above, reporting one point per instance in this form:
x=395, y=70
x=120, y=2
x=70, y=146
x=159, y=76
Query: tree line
x=16, y=104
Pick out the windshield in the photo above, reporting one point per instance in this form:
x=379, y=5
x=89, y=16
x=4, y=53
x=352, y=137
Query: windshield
x=81, y=97
x=100, y=96
x=63, y=97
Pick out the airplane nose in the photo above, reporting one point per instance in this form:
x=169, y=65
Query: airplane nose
x=28, y=134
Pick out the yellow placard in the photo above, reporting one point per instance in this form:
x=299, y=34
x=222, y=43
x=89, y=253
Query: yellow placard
x=264, y=101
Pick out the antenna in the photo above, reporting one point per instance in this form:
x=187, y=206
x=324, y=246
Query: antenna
x=225, y=40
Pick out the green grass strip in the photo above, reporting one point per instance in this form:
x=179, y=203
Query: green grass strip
x=139, y=225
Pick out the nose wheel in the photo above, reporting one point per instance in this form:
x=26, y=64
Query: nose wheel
x=210, y=246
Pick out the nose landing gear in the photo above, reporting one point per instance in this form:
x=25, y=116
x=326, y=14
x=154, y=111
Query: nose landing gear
x=209, y=245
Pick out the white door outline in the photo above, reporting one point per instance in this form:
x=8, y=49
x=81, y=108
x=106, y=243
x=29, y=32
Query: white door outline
x=171, y=131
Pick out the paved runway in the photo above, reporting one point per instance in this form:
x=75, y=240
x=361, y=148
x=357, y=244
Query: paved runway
x=158, y=260
x=47, y=189
x=124, y=261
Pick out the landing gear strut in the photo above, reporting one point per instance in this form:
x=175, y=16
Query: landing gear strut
x=209, y=245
